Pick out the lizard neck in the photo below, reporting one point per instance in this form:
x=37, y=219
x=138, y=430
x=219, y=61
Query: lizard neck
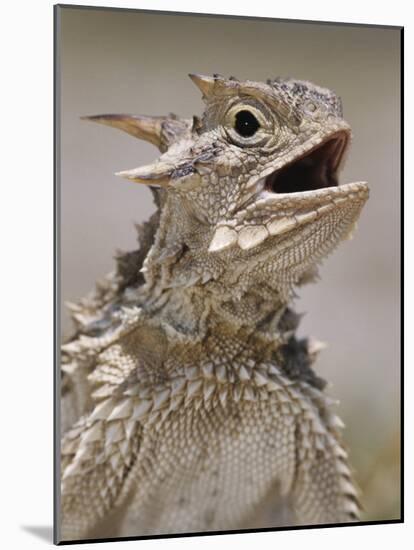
x=201, y=310
x=193, y=325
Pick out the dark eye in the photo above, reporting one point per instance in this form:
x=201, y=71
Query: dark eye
x=246, y=123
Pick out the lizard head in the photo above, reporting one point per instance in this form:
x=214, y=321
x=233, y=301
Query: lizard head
x=249, y=192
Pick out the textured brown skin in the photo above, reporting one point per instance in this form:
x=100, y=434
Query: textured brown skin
x=188, y=405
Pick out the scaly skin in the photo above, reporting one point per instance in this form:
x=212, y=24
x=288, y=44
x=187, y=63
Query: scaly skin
x=188, y=403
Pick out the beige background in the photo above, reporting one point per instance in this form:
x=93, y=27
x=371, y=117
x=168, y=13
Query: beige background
x=137, y=62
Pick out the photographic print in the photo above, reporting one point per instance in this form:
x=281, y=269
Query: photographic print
x=229, y=232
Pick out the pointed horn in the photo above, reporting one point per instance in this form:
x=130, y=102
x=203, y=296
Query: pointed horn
x=142, y=127
x=158, y=174
x=204, y=83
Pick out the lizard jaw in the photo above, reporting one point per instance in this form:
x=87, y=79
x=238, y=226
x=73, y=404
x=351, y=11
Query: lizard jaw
x=303, y=181
x=295, y=194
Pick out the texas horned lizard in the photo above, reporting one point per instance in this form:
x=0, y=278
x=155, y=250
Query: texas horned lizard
x=188, y=402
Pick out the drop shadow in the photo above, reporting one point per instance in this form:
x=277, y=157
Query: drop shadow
x=44, y=532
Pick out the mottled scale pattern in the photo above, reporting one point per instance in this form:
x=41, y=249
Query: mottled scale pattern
x=207, y=464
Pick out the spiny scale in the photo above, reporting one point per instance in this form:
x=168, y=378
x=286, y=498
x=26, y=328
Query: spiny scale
x=188, y=402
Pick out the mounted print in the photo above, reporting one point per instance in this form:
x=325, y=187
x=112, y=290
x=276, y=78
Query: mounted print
x=193, y=396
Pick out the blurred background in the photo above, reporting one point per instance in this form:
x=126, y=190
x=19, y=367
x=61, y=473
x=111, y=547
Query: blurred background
x=130, y=62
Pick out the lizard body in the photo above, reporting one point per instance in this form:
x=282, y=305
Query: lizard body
x=188, y=402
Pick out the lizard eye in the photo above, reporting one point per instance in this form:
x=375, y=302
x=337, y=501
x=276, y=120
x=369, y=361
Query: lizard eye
x=246, y=124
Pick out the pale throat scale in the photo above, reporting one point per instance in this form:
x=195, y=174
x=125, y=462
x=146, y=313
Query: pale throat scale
x=188, y=403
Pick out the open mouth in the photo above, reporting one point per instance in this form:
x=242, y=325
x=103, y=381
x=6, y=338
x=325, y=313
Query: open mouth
x=316, y=169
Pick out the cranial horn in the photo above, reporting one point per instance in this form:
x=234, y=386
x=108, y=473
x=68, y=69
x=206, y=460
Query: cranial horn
x=148, y=128
x=204, y=83
x=158, y=174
